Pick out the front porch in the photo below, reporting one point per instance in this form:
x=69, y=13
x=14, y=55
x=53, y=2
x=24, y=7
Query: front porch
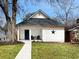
x=29, y=34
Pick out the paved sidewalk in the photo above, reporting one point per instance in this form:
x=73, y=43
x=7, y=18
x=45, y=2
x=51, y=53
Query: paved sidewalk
x=25, y=52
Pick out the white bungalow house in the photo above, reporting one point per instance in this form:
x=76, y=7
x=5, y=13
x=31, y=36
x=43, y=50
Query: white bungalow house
x=38, y=26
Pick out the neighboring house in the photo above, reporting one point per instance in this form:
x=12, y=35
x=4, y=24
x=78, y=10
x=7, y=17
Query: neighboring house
x=2, y=35
x=38, y=26
x=72, y=33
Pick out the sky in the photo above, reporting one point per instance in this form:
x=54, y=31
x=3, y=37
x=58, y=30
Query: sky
x=2, y=18
x=44, y=6
x=28, y=7
x=31, y=7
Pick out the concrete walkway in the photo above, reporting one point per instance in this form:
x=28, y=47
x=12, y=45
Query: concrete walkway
x=25, y=52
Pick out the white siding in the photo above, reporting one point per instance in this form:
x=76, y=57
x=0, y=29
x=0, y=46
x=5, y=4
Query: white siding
x=18, y=34
x=21, y=34
x=48, y=36
x=35, y=31
x=45, y=33
x=39, y=15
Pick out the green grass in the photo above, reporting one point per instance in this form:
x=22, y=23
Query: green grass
x=55, y=51
x=9, y=51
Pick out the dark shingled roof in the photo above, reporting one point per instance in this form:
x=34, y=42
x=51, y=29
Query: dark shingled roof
x=40, y=21
x=72, y=27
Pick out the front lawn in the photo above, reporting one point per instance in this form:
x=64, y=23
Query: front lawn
x=55, y=51
x=9, y=51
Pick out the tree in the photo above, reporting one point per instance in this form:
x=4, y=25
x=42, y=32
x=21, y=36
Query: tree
x=4, y=6
x=14, y=9
x=11, y=22
x=64, y=9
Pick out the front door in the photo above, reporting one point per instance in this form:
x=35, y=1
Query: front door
x=26, y=34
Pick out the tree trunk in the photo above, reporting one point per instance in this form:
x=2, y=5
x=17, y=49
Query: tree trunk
x=8, y=19
x=11, y=22
x=14, y=9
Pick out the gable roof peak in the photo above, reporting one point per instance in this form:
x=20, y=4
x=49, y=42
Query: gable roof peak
x=40, y=10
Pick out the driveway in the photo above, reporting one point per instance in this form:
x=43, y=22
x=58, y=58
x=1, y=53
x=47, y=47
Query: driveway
x=25, y=52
